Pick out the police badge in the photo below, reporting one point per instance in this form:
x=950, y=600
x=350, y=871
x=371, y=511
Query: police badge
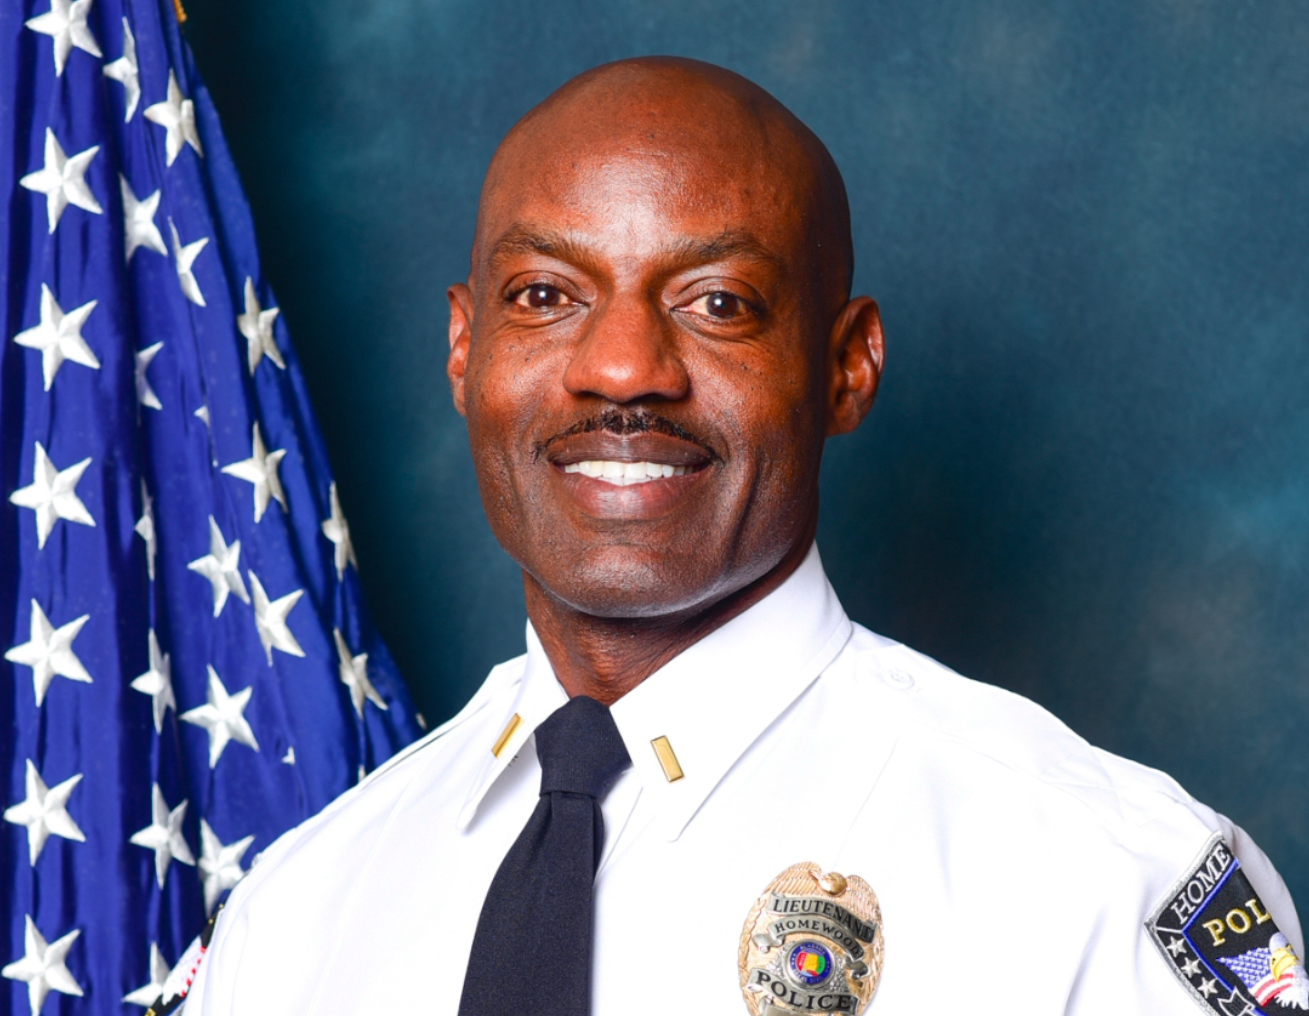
x=812, y=944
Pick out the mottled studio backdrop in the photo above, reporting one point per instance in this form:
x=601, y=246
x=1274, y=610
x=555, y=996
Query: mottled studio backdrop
x=1087, y=222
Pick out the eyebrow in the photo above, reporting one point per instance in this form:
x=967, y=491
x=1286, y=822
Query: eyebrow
x=731, y=243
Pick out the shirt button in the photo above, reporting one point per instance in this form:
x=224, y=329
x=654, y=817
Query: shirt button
x=897, y=679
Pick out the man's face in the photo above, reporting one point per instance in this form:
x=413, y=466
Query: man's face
x=647, y=370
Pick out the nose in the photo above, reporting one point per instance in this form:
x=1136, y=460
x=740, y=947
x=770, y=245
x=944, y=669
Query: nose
x=626, y=354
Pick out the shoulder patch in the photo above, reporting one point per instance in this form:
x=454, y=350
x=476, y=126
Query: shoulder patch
x=1216, y=936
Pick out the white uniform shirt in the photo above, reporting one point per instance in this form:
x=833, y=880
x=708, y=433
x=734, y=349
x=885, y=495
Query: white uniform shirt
x=1016, y=865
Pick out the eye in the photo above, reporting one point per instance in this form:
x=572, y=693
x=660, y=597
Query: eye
x=721, y=305
x=540, y=296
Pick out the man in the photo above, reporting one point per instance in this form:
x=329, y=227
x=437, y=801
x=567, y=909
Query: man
x=779, y=811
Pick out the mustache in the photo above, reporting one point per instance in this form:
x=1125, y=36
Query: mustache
x=622, y=422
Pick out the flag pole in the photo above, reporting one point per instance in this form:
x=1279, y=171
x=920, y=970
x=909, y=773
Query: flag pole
x=181, y=12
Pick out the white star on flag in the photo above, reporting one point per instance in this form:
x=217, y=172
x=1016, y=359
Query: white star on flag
x=222, y=567
x=223, y=716
x=260, y=469
x=65, y=22
x=186, y=255
x=176, y=115
x=59, y=336
x=256, y=324
x=52, y=494
x=144, y=393
x=164, y=834
x=125, y=72
x=354, y=675
x=270, y=620
x=337, y=530
x=61, y=180
x=43, y=965
x=220, y=866
x=49, y=652
x=45, y=811
x=145, y=528
x=157, y=682
x=139, y=229
x=148, y=994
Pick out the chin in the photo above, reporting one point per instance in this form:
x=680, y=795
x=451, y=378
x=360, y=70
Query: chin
x=619, y=583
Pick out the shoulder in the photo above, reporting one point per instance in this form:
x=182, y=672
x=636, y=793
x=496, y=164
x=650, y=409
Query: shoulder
x=1046, y=783
x=969, y=719
x=387, y=785
x=297, y=887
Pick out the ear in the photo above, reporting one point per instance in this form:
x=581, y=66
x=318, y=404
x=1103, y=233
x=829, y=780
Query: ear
x=858, y=352
x=461, y=334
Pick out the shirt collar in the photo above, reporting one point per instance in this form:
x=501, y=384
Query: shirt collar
x=710, y=703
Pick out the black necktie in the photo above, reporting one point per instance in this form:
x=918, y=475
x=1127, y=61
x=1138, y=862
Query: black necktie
x=532, y=951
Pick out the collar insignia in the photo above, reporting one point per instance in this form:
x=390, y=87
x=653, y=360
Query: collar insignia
x=812, y=944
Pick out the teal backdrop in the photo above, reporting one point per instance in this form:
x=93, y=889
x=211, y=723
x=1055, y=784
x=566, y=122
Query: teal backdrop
x=1087, y=223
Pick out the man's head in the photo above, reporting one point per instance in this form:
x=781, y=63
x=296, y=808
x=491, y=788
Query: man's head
x=659, y=284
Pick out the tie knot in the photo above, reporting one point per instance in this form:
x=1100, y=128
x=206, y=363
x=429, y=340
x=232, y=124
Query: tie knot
x=580, y=749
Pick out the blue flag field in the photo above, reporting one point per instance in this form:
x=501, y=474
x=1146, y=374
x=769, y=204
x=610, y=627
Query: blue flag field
x=187, y=667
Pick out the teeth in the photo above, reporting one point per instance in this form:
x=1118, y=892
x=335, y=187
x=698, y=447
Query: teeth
x=623, y=474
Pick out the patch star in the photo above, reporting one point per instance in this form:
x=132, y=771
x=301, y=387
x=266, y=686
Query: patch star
x=49, y=652
x=256, y=324
x=223, y=716
x=139, y=229
x=59, y=336
x=157, y=682
x=220, y=866
x=354, y=675
x=176, y=115
x=164, y=834
x=65, y=22
x=43, y=965
x=52, y=494
x=62, y=181
x=1191, y=967
x=1208, y=987
x=222, y=567
x=144, y=393
x=45, y=811
x=186, y=255
x=260, y=469
x=1177, y=946
x=270, y=620
x=337, y=530
x=124, y=70
x=148, y=994
x=145, y=528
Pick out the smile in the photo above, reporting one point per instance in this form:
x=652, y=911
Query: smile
x=625, y=474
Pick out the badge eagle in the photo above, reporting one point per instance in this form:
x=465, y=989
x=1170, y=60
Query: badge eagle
x=812, y=944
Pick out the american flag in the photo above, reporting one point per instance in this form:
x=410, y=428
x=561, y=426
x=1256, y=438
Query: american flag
x=1256, y=971
x=188, y=670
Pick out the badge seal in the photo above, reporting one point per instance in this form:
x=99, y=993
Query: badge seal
x=813, y=944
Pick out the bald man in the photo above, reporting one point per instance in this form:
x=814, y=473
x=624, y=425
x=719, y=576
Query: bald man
x=702, y=788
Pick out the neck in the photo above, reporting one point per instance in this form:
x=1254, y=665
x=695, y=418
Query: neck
x=606, y=657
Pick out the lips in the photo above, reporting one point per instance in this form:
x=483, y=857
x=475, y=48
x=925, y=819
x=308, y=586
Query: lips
x=627, y=475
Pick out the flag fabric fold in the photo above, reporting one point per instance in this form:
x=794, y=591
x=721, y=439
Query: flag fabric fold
x=188, y=670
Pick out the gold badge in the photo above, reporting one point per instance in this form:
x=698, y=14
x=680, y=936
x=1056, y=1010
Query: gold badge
x=812, y=944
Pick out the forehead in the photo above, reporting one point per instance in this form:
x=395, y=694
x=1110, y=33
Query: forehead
x=648, y=173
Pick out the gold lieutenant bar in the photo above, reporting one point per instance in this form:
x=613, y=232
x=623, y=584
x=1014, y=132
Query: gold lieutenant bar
x=664, y=753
